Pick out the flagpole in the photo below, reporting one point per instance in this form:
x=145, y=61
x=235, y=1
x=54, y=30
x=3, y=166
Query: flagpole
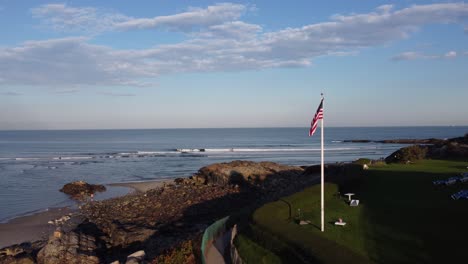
x=322, y=170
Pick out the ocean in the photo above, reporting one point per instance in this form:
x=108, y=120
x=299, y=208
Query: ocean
x=34, y=165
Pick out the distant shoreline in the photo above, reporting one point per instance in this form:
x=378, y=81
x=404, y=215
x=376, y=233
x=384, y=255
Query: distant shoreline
x=189, y=128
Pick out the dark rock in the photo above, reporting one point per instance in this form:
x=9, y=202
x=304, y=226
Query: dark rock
x=453, y=149
x=399, y=141
x=179, y=180
x=162, y=218
x=78, y=246
x=19, y=259
x=413, y=141
x=22, y=253
x=242, y=172
x=79, y=189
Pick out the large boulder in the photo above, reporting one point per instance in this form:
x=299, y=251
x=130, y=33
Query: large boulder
x=242, y=172
x=23, y=253
x=79, y=189
x=82, y=245
x=451, y=150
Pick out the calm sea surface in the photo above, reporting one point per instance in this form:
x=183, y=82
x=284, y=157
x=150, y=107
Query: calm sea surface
x=34, y=165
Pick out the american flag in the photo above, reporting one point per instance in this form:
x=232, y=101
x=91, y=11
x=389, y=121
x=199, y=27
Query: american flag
x=317, y=117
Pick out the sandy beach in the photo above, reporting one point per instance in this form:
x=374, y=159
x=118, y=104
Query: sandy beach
x=31, y=227
x=143, y=186
x=35, y=227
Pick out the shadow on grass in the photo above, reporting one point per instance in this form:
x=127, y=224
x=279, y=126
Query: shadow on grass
x=195, y=218
x=411, y=221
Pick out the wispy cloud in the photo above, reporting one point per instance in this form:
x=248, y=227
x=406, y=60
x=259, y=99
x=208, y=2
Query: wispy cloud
x=62, y=17
x=67, y=91
x=186, y=21
x=9, y=93
x=450, y=54
x=218, y=44
x=117, y=94
x=414, y=55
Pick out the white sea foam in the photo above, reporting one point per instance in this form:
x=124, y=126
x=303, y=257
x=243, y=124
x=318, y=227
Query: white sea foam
x=190, y=150
x=72, y=158
x=20, y=159
x=261, y=149
x=155, y=152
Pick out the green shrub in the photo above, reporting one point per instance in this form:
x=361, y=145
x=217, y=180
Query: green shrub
x=362, y=161
x=408, y=154
x=378, y=163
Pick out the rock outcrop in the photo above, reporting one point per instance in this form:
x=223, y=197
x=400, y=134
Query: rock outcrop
x=399, y=141
x=79, y=189
x=81, y=245
x=242, y=172
x=160, y=219
x=23, y=253
x=444, y=149
x=158, y=216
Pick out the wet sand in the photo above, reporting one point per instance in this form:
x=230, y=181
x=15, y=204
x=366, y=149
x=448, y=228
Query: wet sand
x=30, y=228
x=143, y=186
x=35, y=227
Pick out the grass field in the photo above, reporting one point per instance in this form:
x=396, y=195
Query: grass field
x=402, y=218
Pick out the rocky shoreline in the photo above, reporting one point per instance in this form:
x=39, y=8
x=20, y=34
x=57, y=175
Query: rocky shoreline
x=156, y=223
x=161, y=219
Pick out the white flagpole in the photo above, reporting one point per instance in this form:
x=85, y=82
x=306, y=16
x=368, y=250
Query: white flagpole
x=322, y=170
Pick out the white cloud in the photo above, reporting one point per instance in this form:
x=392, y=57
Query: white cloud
x=9, y=93
x=223, y=44
x=411, y=55
x=65, y=61
x=232, y=29
x=186, y=21
x=67, y=91
x=414, y=55
x=61, y=17
x=450, y=54
x=385, y=8
x=117, y=94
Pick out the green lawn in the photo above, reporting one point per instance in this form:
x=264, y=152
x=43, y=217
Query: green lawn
x=251, y=252
x=402, y=218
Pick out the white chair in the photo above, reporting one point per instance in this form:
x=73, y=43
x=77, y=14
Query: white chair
x=354, y=203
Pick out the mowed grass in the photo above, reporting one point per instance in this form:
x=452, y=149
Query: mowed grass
x=251, y=252
x=402, y=218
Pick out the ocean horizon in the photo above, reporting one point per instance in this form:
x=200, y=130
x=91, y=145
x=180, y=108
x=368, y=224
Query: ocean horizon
x=35, y=164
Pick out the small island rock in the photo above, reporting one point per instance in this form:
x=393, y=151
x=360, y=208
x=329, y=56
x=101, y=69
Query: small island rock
x=78, y=189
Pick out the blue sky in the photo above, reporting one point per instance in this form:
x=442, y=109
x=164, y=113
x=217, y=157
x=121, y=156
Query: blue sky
x=183, y=64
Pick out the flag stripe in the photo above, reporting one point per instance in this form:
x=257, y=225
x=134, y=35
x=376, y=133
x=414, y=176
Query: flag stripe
x=318, y=115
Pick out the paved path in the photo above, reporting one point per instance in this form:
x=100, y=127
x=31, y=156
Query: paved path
x=217, y=249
